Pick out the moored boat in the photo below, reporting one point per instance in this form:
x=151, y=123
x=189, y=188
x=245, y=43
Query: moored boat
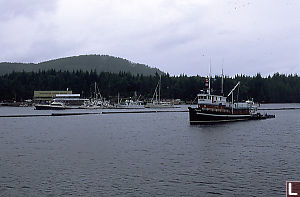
x=52, y=106
x=130, y=104
x=157, y=103
x=98, y=102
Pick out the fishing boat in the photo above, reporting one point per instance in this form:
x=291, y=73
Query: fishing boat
x=157, y=103
x=130, y=104
x=91, y=105
x=216, y=108
x=98, y=102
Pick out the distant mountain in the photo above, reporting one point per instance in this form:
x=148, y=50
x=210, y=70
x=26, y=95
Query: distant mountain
x=100, y=63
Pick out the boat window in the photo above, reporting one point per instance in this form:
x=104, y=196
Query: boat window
x=202, y=97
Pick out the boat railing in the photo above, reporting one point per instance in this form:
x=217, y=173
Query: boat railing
x=215, y=110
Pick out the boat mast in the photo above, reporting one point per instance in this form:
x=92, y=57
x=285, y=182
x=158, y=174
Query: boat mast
x=155, y=93
x=96, y=95
x=232, y=103
x=159, y=88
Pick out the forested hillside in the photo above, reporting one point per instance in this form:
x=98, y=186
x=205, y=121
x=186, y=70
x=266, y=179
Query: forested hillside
x=100, y=63
x=273, y=89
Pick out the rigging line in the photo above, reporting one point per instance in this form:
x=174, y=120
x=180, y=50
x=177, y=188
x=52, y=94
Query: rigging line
x=237, y=95
x=194, y=100
x=155, y=92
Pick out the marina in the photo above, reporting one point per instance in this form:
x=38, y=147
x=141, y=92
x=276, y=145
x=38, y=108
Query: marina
x=88, y=113
x=129, y=98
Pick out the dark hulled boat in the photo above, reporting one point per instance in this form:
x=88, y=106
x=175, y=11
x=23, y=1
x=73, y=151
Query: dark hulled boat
x=215, y=108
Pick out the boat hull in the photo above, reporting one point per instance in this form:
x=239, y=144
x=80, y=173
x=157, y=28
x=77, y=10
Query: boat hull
x=131, y=106
x=150, y=105
x=49, y=107
x=198, y=116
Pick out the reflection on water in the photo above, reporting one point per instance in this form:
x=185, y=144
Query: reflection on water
x=156, y=154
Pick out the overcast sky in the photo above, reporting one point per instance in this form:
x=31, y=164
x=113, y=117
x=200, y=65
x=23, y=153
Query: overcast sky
x=176, y=36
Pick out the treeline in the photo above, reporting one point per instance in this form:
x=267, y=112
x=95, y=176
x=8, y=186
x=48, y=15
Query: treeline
x=273, y=89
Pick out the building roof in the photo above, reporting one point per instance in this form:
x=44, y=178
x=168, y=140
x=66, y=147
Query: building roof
x=67, y=95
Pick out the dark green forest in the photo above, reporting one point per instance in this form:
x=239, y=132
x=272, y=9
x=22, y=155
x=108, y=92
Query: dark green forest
x=19, y=86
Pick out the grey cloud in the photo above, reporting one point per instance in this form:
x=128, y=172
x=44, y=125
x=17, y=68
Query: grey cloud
x=13, y=8
x=174, y=35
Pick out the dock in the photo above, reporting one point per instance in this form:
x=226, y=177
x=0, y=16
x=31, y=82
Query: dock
x=45, y=115
x=136, y=112
x=281, y=108
x=86, y=113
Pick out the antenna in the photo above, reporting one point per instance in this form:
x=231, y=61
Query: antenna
x=159, y=88
x=96, y=95
x=222, y=84
x=209, y=76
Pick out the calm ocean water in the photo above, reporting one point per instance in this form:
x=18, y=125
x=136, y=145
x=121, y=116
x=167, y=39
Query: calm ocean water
x=157, y=154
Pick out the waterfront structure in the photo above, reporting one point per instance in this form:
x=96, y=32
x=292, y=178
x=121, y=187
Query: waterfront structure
x=65, y=97
x=70, y=99
x=47, y=96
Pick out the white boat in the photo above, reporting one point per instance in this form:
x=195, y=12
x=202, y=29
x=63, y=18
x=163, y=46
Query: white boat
x=130, y=104
x=157, y=103
x=52, y=106
x=90, y=105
